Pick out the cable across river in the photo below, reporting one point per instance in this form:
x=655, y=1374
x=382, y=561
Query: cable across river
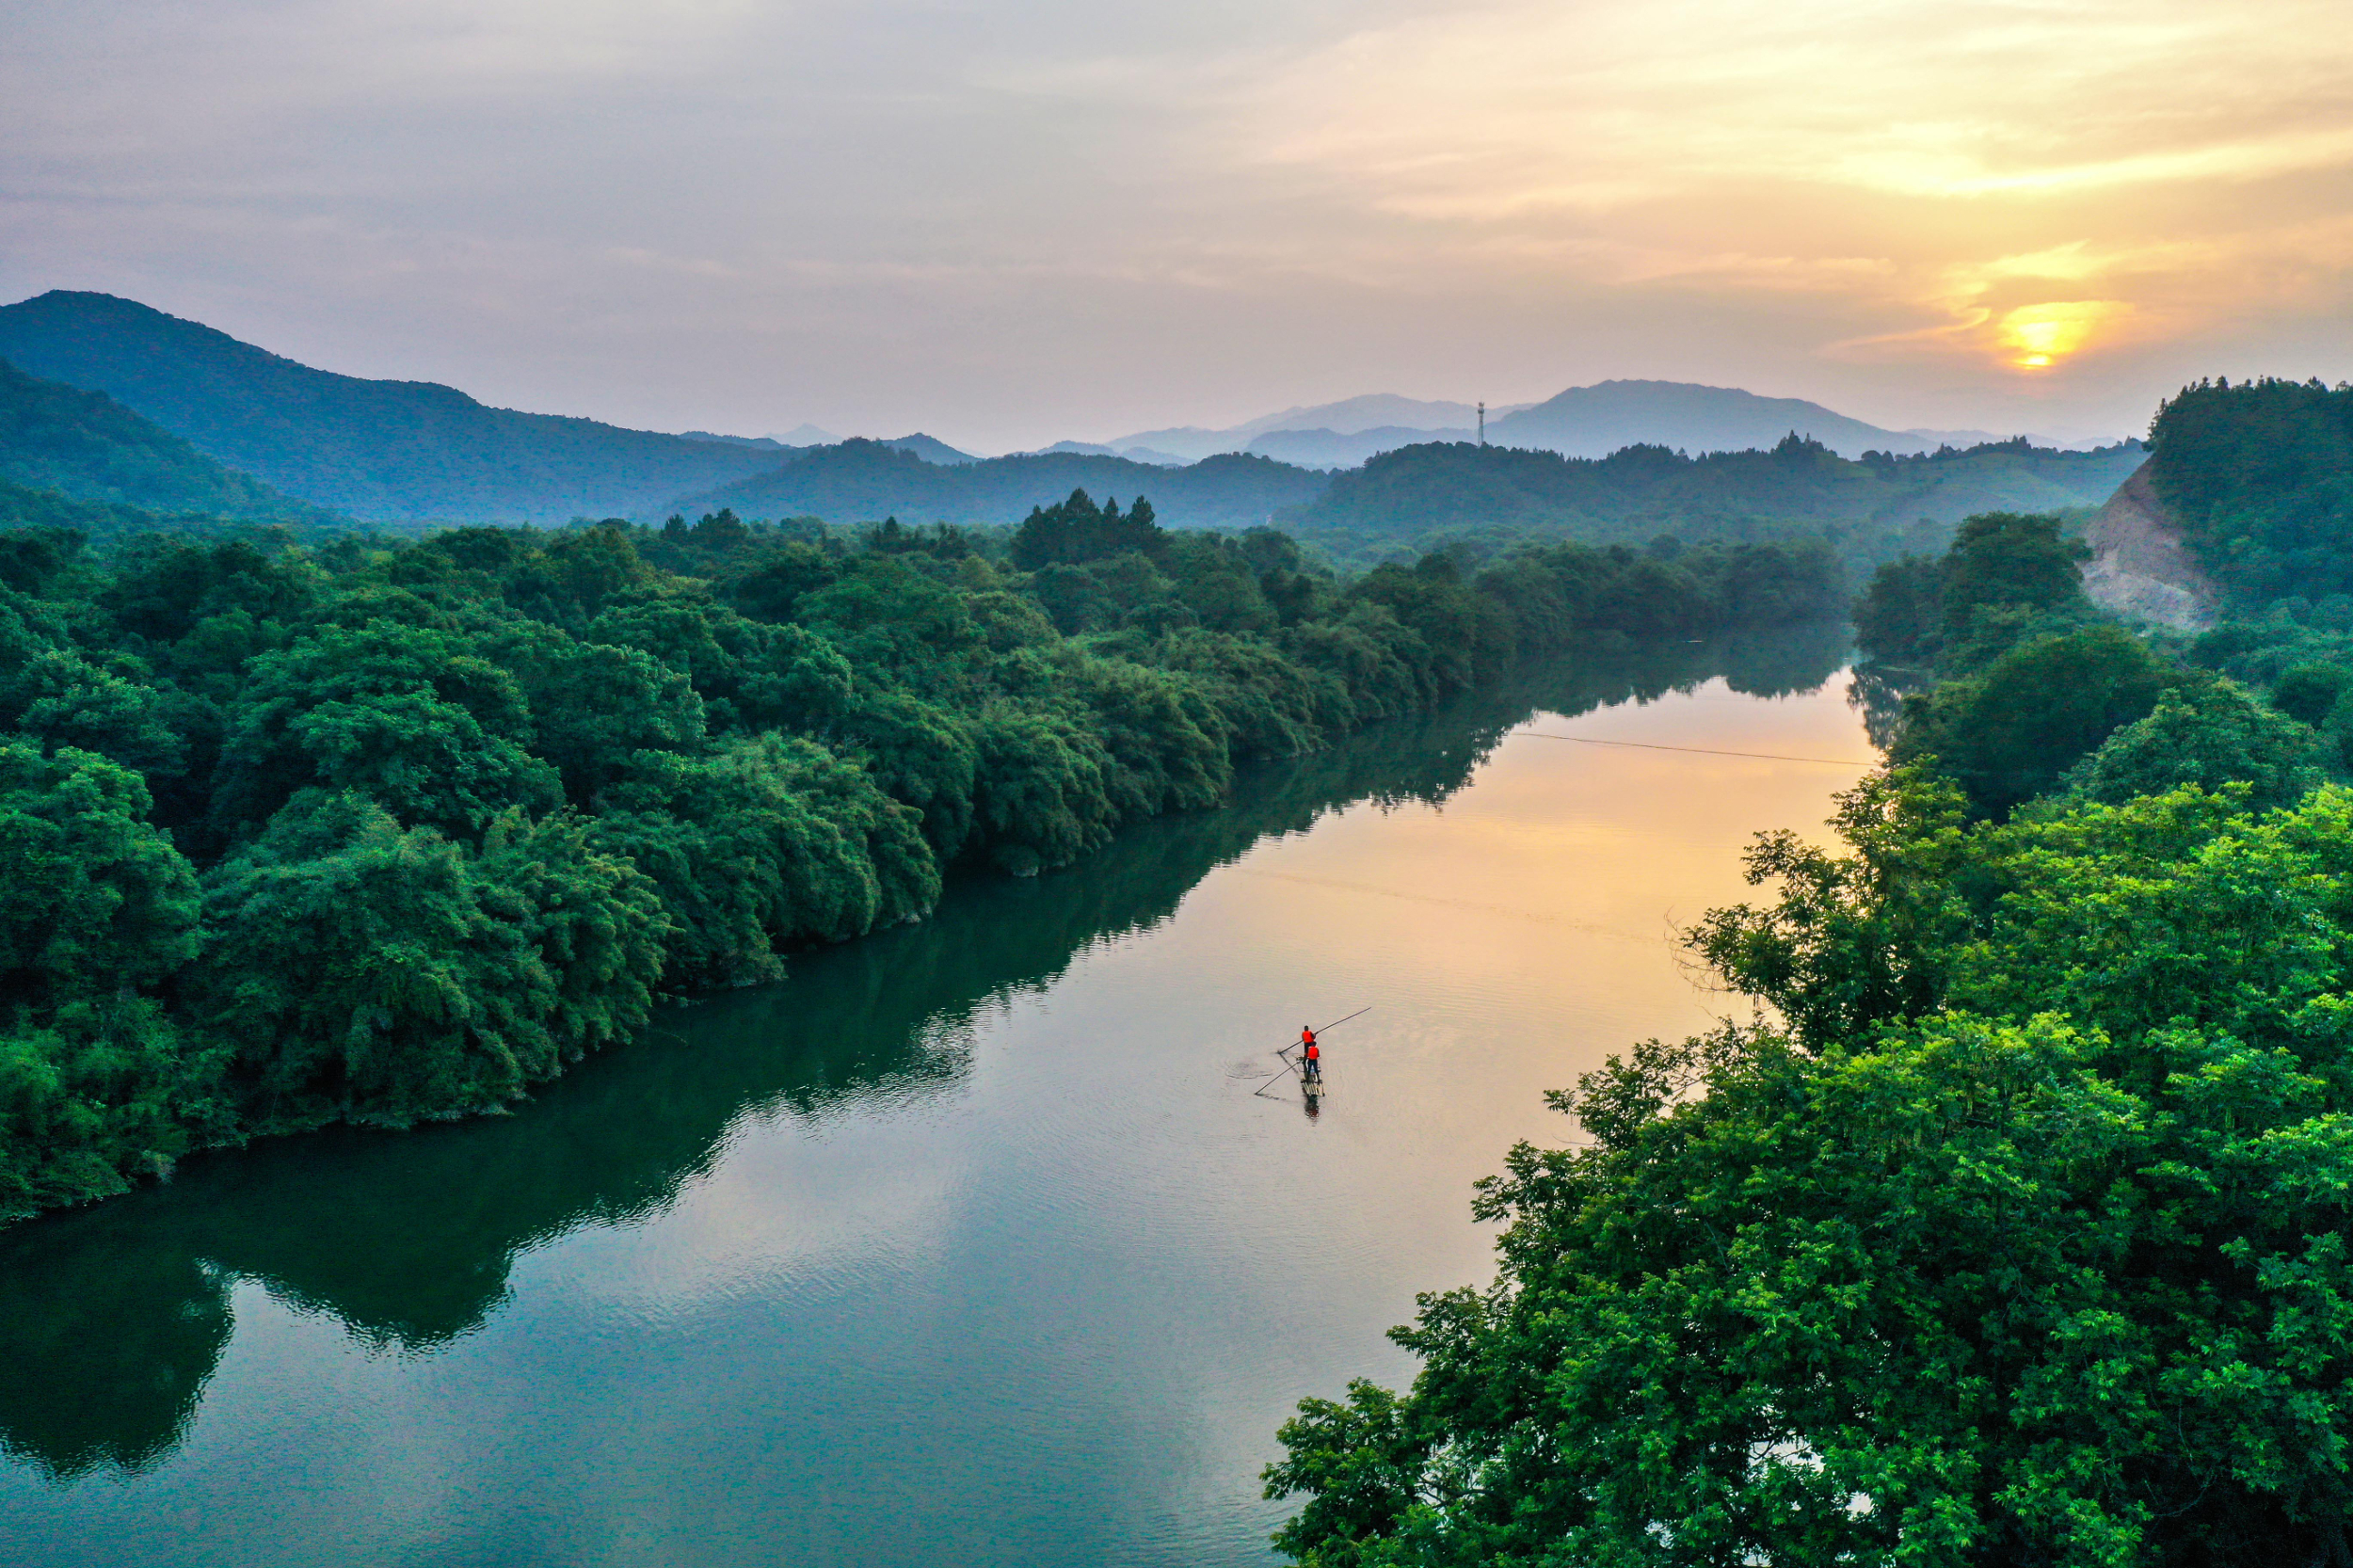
x=1700, y=751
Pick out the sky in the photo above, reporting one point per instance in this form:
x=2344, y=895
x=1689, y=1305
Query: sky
x=1011, y=223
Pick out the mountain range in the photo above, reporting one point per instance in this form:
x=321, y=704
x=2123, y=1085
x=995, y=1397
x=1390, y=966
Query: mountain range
x=1381, y=412
x=119, y=403
x=1582, y=421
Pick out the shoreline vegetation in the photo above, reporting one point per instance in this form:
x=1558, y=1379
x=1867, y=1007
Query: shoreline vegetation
x=2013, y=1228
x=117, y=1314
x=382, y=832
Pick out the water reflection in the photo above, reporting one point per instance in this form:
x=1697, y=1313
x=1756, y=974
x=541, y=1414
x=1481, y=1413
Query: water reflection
x=1878, y=692
x=113, y=1317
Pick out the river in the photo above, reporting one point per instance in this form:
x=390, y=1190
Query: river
x=974, y=1242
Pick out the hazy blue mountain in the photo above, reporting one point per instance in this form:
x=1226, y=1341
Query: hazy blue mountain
x=1962, y=439
x=1333, y=449
x=86, y=446
x=804, y=435
x=1594, y=422
x=1582, y=421
x=1374, y=411
x=1133, y=453
x=1187, y=442
x=863, y=481
x=765, y=443
x=377, y=449
x=930, y=448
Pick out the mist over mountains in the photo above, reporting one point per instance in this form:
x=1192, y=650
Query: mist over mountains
x=1582, y=421
x=120, y=404
x=1375, y=413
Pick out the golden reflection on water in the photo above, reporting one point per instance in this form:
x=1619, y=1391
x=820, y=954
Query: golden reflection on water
x=1559, y=882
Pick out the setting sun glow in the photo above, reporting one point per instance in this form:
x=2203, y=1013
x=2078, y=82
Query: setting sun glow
x=2037, y=337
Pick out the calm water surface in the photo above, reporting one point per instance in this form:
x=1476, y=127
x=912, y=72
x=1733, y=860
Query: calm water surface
x=969, y=1243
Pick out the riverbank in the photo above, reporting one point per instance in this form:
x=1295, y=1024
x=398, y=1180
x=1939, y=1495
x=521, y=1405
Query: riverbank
x=968, y=1242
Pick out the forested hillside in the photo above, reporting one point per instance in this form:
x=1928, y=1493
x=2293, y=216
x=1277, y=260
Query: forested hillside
x=1422, y=497
x=861, y=481
x=86, y=446
x=2013, y=1228
x=2260, y=476
x=382, y=832
x=380, y=450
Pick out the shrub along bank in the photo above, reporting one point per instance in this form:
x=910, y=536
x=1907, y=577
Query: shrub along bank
x=377, y=833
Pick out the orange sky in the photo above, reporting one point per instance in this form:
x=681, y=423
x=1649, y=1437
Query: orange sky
x=1042, y=218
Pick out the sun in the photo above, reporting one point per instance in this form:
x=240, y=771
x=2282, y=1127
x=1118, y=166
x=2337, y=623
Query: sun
x=2037, y=337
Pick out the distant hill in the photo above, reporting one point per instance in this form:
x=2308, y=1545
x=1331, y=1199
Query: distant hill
x=2257, y=478
x=766, y=443
x=1330, y=449
x=1420, y=497
x=1382, y=412
x=405, y=450
x=86, y=446
x=930, y=449
x=864, y=481
x=1594, y=422
x=1582, y=421
x=1133, y=453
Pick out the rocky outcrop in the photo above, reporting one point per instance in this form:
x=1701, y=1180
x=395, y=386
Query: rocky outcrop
x=2139, y=566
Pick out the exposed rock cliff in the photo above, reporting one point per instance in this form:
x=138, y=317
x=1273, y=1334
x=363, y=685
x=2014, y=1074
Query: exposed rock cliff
x=2140, y=566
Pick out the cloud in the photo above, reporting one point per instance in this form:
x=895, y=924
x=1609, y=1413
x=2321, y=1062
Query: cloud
x=1042, y=218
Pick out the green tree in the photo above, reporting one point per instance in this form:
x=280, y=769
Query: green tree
x=592, y=708
x=1075, y=530
x=91, y=897
x=373, y=972
x=97, y=1084
x=1899, y=617
x=2210, y=736
x=2007, y=734
x=2305, y=693
x=765, y=846
x=2008, y=558
x=416, y=719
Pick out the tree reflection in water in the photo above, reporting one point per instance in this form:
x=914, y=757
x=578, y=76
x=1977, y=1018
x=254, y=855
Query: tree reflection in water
x=113, y=1317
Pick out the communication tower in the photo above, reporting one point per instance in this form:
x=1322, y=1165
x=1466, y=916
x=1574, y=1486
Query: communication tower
x=1482, y=423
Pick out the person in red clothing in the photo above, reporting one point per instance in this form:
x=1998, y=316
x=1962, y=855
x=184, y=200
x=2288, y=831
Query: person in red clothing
x=1311, y=1055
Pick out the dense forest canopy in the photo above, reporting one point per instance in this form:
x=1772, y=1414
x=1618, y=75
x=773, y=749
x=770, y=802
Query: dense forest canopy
x=866, y=479
x=2260, y=476
x=377, y=831
x=1874, y=509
